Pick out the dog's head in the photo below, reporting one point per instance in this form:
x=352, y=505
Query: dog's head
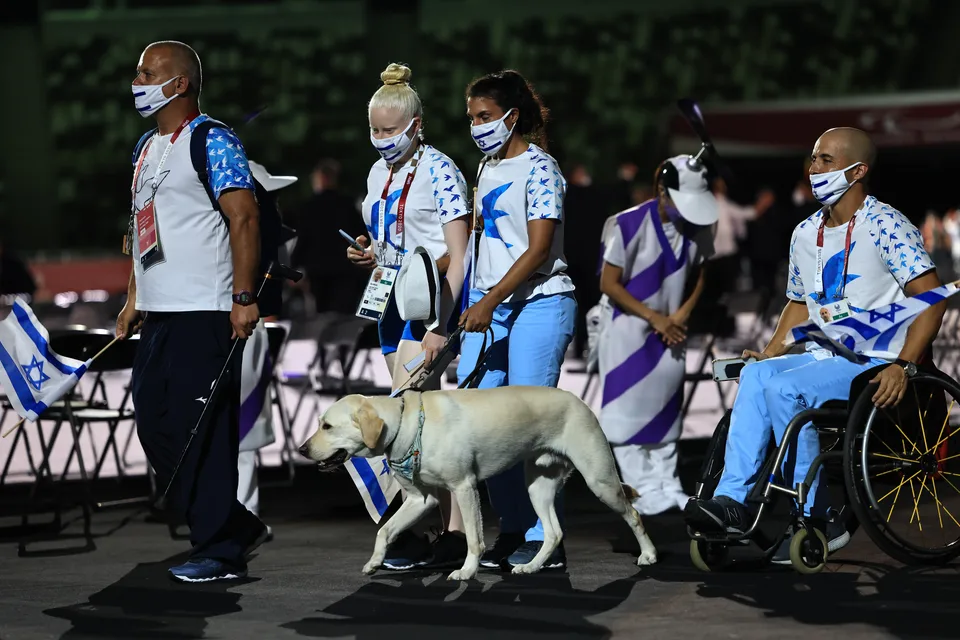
x=351, y=427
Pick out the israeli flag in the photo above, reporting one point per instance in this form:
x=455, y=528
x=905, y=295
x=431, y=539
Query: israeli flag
x=375, y=482
x=32, y=375
x=872, y=330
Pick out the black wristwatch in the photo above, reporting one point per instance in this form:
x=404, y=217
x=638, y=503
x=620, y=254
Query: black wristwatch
x=909, y=368
x=244, y=298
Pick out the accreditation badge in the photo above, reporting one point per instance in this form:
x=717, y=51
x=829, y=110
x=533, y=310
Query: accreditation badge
x=377, y=294
x=148, y=237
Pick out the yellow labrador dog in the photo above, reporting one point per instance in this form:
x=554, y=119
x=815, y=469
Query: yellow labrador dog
x=454, y=439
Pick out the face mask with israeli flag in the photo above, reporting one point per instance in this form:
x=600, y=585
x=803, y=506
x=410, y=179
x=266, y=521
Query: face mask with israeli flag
x=871, y=330
x=32, y=375
x=490, y=136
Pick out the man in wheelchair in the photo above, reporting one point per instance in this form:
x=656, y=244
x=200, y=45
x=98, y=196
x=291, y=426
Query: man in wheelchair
x=855, y=253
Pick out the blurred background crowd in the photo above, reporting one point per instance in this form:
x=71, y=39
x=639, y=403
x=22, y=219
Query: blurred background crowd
x=293, y=77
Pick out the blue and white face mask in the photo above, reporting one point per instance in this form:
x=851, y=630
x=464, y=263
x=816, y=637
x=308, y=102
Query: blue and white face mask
x=149, y=98
x=490, y=136
x=392, y=149
x=830, y=186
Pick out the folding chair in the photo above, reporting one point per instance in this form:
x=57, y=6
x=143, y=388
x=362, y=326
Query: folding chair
x=703, y=374
x=347, y=339
x=276, y=338
x=79, y=343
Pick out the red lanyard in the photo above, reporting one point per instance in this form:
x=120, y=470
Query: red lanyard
x=143, y=154
x=401, y=205
x=820, y=285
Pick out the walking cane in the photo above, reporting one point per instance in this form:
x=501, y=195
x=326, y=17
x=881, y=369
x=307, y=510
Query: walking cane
x=274, y=271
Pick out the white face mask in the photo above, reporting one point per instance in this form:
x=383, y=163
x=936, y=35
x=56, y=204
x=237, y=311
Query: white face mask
x=393, y=148
x=149, y=98
x=830, y=186
x=490, y=136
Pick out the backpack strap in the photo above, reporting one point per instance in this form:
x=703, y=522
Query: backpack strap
x=198, y=157
x=141, y=144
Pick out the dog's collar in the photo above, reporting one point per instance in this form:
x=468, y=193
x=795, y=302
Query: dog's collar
x=409, y=465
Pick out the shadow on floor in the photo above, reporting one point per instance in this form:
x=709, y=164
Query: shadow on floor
x=146, y=603
x=541, y=605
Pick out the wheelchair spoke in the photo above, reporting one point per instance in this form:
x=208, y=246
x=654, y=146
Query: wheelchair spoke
x=947, y=511
x=901, y=459
x=890, y=515
x=933, y=481
x=916, y=502
x=946, y=419
x=896, y=423
x=922, y=414
x=897, y=488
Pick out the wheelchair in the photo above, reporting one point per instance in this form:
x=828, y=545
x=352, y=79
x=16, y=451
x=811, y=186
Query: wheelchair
x=887, y=461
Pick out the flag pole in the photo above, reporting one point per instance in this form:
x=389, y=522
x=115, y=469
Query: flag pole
x=99, y=353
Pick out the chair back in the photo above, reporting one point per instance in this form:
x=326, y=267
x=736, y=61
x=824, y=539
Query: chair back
x=82, y=344
x=276, y=337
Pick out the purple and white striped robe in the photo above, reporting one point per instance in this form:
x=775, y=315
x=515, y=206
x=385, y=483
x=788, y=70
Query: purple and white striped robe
x=642, y=378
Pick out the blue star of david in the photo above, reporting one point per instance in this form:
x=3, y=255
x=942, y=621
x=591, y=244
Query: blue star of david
x=35, y=381
x=889, y=316
x=490, y=214
x=386, y=467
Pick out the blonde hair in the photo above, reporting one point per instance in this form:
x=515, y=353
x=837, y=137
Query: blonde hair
x=396, y=93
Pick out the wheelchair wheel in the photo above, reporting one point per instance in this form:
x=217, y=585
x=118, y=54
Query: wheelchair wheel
x=708, y=556
x=902, y=480
x=808, y=553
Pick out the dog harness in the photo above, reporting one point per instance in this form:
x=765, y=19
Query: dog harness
x=409, y=465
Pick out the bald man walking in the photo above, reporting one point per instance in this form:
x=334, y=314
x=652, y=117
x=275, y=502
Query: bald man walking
x=195, y=247
x=855, y=253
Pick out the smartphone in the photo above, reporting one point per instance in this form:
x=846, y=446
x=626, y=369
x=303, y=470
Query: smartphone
x=353, y=243
x=729, y=368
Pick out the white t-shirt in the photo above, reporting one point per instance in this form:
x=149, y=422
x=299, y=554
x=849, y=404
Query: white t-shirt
x=438, y=194
x=196, y=273
x=886, y=252
x=511, y=193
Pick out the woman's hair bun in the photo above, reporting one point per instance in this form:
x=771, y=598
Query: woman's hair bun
x=396, y=74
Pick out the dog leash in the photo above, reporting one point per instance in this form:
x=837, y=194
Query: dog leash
x=444, y=356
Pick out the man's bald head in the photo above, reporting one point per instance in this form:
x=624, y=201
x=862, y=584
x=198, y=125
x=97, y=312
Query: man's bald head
x=178, y=59
x=845, y=146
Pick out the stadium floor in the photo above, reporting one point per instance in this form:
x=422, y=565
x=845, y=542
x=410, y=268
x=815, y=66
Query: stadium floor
x=306, y=583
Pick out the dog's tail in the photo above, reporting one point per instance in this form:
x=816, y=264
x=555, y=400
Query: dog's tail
x=629, y=491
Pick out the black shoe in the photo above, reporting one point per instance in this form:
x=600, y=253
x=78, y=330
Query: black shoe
x=530, y=548
x=507, y=543
x=409, y=550
x=837, y=538
x=720, y=513
x=449, y=550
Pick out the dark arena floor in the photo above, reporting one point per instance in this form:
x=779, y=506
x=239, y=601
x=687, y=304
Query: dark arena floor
x=306, y=583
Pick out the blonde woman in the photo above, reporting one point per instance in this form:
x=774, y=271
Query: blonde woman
x=416, y=196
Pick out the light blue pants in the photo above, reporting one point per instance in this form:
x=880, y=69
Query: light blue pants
x=771, y=393
x=530, y=339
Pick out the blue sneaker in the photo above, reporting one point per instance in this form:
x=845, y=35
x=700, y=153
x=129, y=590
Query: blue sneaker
x=205, y=570
x=530, y=548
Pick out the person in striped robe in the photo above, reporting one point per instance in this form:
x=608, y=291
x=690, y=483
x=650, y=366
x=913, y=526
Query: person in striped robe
x=651, y=254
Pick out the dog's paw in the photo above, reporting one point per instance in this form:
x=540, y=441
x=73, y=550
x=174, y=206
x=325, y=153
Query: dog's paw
x=646, y=558
x=462, y=574
x=525, y=568
x=370, y=568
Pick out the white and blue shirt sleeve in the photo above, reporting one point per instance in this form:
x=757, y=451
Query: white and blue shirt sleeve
x=546, y=188
x=795, y=290
x=227, y=166
x=900, y=245
x=449, y=187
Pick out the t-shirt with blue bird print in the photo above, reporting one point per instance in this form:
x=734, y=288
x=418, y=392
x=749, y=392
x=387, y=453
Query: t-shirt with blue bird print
x=438, y=195
x=511, y=193
x=886, y=253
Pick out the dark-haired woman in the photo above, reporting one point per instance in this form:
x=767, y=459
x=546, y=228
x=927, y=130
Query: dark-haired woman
x=518, y=286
